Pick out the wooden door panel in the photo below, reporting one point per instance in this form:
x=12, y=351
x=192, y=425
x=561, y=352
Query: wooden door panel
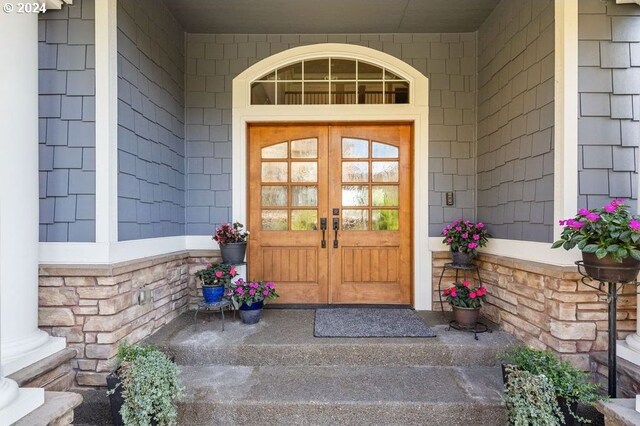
x=373, y=260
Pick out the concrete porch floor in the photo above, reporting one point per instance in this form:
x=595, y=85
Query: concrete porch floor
x=276, y=372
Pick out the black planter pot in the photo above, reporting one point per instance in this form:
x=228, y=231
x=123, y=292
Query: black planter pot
x=608, y=270
x=569, y=420
x=461, y=258
x=233, y=253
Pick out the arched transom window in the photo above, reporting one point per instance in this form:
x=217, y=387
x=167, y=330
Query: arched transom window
x=329, y=81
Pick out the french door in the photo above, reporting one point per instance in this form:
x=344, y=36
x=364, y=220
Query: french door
x=330, y=212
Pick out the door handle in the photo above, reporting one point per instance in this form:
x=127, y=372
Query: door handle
x=323, y=227
x=336, y=227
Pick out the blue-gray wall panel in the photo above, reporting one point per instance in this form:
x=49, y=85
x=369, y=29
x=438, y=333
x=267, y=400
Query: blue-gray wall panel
x=609, y=120
x=515, y=120
x=151, y=142
x=67, y=122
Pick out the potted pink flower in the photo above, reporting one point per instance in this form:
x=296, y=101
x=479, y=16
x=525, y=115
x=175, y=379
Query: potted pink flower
x=464, y=238
x=466, y=302
x=609, y=238
x=215, y=278
x=249, y=298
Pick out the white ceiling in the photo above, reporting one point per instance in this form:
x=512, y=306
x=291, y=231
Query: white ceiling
x=330, y=16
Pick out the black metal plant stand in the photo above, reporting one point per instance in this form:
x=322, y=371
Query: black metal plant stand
x=478, y=327
x=612, y=291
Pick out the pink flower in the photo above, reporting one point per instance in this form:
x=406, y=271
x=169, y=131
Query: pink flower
x=574, y=224
x=481, y=291
x=265, y=292
x=240, y=290
x=465, y=283
x=254, y=285
x=479, y=225
x=449, y=240
x=232, y=271
x=269, y=285
x=476, y=237
x=218, y=274
x=454, y=293
x=208, y=265
x=472, y=245
x=593, y=217
x=252, y=292
x=446, y=292
x=562, y=222
x=472, y=295
x=610, y=208
x=583, y=212
x=444, y=231
x=458, y=228
x=465, y=235
x=634, y=225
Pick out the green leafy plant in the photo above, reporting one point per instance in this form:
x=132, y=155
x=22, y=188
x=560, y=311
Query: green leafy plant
x=465, y=236
x=463, y=296
x=607, y=231
x=568, y=381
x=220, y=274
x=530, y=399
x=150, y=385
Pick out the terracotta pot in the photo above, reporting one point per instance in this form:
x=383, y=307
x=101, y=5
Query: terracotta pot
x=608, y=270
x=466, y=317
x=461, y=258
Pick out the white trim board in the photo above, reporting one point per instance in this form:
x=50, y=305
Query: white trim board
x=416, y=112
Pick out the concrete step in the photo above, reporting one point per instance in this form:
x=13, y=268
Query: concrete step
x=57, y=410
x=238, y=395
x=285, y=337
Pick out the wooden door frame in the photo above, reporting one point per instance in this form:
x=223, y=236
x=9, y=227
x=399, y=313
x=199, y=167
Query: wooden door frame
x=416, y=112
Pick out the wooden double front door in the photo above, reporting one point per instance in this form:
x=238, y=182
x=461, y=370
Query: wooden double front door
x=330, y=212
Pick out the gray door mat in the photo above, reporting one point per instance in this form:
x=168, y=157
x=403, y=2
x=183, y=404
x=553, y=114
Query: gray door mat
x=369, y=322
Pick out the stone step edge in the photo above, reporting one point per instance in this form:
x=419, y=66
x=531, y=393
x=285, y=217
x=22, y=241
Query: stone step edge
x=57, y=409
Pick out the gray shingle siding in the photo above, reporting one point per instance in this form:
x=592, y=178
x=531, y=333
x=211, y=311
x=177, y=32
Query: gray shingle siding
x=515, y=120
x=67, y=123
x=609, y=119
x=213, y=60
x=151, y=140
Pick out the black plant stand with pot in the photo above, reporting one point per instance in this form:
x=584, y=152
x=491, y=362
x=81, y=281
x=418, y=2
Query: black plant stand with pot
x=612, y=291
x=467, y=270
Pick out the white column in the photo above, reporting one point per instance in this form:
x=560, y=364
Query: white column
x=629, y=348
x=22, y=342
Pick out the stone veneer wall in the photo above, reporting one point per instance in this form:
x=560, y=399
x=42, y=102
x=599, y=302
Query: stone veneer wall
x=96, y=307
x=545, y=306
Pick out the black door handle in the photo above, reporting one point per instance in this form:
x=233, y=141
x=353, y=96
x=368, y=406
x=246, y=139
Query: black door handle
x=323, y=227
x=336, y=227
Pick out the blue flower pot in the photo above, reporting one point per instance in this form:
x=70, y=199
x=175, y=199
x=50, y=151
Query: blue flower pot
x=251, y=314
x=212, y=294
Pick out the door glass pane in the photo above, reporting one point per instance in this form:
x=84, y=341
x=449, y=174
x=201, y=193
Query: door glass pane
x=304, y=220
x=270, y=76
x=355, y=148
x=316, y=93
x=355, y=220
x=304, y=196
x=353, y=195
x=384, y=220
x=263, y=94
x=370, y=93
x=388, y=75
x=304, y=148
x=291, y=72
x=274, y=196
x=278, y=150
x=274, y=220
x=317, y=69
x=274, y=172
x=383, y=150
x=289, y=93
x=369, y=72
x=355, y=171
x=304, y=171
x=384, y=171
x=384, y=195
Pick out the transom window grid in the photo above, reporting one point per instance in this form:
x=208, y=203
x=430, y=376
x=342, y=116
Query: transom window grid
x=330, y=81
